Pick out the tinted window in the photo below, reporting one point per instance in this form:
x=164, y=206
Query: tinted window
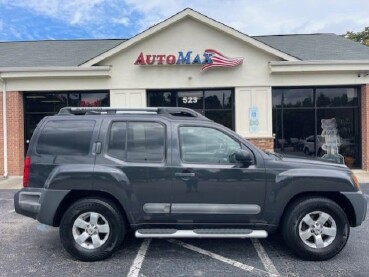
x=300, y=97
x=334, y=97
x=162, y=99
x=117, y=140
x=206, y=145
x=190, y=99
x=65, y=138
x=145, y=142
x=218, y=99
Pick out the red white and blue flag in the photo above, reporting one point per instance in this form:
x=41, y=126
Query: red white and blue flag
x=219, y=60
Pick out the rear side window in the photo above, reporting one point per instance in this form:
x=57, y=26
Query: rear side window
x=145, y=142
x=117, y=140
x=65, y=137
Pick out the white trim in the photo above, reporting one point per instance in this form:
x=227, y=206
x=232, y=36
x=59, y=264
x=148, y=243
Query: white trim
x=319, y=66
x=189, y=13
x=61, y=71
x=5, y=129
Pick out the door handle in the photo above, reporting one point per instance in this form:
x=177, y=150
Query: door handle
x=185, y=174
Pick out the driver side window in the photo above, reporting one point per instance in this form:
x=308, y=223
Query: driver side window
x=205, y=145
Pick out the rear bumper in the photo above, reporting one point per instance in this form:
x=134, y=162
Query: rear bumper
x=39, y=204
x=359, y=203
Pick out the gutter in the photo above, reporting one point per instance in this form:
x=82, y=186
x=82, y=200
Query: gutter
x=355, y=66
x=5, y=131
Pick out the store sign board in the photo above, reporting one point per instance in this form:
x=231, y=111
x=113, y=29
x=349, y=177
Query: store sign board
x=210, y=58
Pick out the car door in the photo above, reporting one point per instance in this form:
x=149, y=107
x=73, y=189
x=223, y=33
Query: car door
x=135, y=155
x=209, y=186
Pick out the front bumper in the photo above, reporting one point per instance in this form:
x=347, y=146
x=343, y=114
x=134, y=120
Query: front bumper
x=40, y=204
x=359, y=203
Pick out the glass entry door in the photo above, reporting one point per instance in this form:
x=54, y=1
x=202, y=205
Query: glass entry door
x=37, y=105
x=215, y=104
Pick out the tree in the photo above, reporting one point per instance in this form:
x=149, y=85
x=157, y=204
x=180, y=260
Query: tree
x=362, y=37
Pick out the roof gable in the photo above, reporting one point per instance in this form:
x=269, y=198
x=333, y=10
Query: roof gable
x=199, y=17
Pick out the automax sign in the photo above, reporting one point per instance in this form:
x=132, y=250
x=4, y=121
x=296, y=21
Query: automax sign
x=210, y=58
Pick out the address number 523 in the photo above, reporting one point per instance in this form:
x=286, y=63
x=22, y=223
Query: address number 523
x=189, y=100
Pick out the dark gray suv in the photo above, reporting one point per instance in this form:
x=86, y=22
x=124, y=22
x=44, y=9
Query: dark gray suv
x=172, y=173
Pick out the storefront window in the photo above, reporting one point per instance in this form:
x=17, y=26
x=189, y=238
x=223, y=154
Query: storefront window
x=40, y=104
x=318, y=122
x=216, y=104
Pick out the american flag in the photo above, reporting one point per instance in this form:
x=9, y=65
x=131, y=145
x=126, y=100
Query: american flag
x=219, y=60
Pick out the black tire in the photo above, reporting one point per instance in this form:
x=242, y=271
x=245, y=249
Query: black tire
x=113, y=217
x=295, y=214
x=306, y=151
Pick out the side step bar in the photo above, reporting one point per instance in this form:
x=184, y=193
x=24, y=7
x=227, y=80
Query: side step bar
x=200, y=233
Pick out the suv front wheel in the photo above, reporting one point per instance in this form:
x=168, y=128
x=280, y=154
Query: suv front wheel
x=91, y=229
x=315, y=228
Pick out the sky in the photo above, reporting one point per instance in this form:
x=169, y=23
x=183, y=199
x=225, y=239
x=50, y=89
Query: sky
x=92, y=19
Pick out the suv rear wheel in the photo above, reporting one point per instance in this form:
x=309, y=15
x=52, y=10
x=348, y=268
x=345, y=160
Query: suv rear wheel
x=91, y=229
x=315, y=228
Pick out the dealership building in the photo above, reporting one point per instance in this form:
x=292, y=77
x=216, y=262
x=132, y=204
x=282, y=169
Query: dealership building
x=284, y=93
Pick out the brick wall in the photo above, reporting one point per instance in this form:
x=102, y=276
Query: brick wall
x=266, y=144
x=15, y=124
x=364, y=126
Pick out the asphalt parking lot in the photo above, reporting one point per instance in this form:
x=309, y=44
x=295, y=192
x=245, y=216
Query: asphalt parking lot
x=28, y=248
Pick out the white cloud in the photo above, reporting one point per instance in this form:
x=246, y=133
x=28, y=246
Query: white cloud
x=249, y=16
x=76, y=12
x=267, y=16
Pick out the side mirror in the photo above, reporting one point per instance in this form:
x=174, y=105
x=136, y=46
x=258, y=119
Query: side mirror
x=243, y=156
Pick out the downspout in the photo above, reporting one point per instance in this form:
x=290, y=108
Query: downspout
x=5, y=131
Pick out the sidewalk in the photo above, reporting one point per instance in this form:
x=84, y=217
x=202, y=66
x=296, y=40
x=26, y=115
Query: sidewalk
x=13, y=182
x=16, y=182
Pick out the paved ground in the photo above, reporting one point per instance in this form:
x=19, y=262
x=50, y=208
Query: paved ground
x=28, y=248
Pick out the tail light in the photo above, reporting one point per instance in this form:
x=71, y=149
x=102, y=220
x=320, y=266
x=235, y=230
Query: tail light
x=27, y=164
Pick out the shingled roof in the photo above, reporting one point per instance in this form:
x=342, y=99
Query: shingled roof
x=53, y=52
x=77, y=52
x=317, y=46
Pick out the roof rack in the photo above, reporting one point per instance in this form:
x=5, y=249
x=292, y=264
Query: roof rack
x=172, y=112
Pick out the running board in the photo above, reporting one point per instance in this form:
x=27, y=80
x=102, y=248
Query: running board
x=200, y=233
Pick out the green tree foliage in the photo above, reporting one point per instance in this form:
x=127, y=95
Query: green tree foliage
x=362, y=37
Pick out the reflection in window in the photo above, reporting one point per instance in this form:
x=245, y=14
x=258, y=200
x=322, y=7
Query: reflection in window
x=218, y=99
x=59, y=138
x=297, y=121
x=216, y=104
x=206, y=145
x=190, y=99
x=336, y=97
x=117, y=140
x=162, y=99
x=145, y=142
x=293, y=98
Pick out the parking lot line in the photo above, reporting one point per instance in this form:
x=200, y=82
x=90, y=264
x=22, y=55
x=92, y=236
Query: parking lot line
x=135, y=268
x=267, y=262
x=222, y=259
x=11, y=211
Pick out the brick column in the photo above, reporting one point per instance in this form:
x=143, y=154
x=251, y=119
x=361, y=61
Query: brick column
x=266, y=144
x=15, y=132
x=364, y=126
x=15, y=128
